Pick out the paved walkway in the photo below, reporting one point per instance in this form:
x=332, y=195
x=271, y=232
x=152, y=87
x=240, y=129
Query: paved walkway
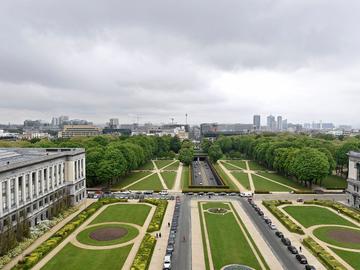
x=232, y=178
x=70, y=238
x=177, y=186
x=208, y=249
x=198, y=259
x=46, y=235
x=159, y=175
x=161, y=243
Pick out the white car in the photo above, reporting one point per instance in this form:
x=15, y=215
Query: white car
x=272, y=226
x=164, y=192
x=167, y=262
x=246, y=194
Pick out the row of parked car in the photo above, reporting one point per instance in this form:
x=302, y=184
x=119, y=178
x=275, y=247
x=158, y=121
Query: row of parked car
x=241, y=194
x=172, y=236
x=286, y=241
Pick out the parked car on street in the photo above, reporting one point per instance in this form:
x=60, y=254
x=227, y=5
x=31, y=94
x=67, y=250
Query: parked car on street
x=309, y=267
x=286, y=241
x=293, y=249
x=167, y=262
x=279, y=234
x=301, y=258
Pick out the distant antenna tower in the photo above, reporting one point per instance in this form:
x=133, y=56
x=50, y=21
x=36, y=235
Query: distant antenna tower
x=172, y=120
x=186, y=115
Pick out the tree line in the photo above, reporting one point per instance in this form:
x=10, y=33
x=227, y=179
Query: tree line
x=307, y=159
x=109, y=158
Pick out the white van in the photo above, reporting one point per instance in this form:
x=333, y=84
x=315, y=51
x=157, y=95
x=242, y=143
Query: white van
x=246, y=194
x=167, y=262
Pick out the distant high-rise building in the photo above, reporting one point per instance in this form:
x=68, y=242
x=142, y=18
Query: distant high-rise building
x=271, y=123
x=284, y=124
x=307, y=126
x=114, y=123
x=279, y=123
x=63, y=119
x=257, y=122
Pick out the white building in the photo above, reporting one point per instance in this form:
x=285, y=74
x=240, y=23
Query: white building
x=353, y=188
x=34, y=180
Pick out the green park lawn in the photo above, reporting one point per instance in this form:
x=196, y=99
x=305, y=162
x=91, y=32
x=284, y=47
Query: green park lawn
x=228, y=244
x=147, y=166
x=351, y=258
x=162, y=163
x=209, y=205
x=173, y=167
x=185, y=181
x=334, y=182
x=242, y=178
x=229, y=166
x=150, y=183
x=71, y=257
x=283, y=180
x=129, y=213
x=238, y=163
x=312, y=215
x=169, y=178
x=129, y=179
x=256, y=166
x=262, y=184
x=84, y=236
x=322, y=233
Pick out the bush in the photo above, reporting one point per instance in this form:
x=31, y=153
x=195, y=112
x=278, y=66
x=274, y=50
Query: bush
x=144, y=254
x=272, y=206
x=158, y=217
x=347, y=211
x=326, y=258
x=40, y=252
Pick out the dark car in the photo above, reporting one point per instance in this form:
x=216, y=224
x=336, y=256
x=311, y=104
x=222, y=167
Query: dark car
x=170, y=249
x=261, y=213
x=286, y=241
x=293, y=249
x=268, y=221
x=279, y=234
x=301, y=258
x=309, y=267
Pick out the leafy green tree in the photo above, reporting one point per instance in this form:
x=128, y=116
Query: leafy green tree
x=175, y=144
x=215, y=152
x=186, y=155
x=205, y=145
x=341, y=156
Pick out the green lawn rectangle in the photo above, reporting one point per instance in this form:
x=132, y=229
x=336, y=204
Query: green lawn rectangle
x=283, y=180
x=129, y=179
x=312, y=215
x=147, y=166
x=352, y=258
x=174, y=166
x=162, y=163
x=209, y=205
x=238, y=163
x=169, y=178
x=262, y=184
x=185, y=181
x=243, y=179
x=334, y=182
x=130, y=213
x=150, y=183
x=256, y=166
x=71, y=257
x=227, y=242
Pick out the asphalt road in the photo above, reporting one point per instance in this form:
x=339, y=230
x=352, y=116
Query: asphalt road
x=287, y=259
x=203, y=174
x=182, y=254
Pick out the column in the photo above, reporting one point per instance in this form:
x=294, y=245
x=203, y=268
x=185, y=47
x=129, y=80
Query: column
x=30, y=186
x=1, y=200
x=17, y=191
x=8, y=194
x=36, y=184
x=23, y=188
x=42, y=181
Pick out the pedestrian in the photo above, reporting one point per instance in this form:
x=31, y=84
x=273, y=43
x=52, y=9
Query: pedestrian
x=300, y=248
x=160, y=235
x=168, y=224
x=156, y=235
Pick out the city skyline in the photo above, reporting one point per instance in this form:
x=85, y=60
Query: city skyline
x=116, y=60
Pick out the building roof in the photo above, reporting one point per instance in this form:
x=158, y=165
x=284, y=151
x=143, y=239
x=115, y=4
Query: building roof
x=12, y=158
x=354, y=154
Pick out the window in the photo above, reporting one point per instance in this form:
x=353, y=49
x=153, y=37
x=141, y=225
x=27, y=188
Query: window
x=45, y=180
x=50, y=178
x=34, y=206
x=12, y=192
x=39, y=182
x=4, y=196
x=21, y=195
x=33, y=180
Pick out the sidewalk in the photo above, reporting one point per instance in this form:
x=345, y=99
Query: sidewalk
x=198, y=259
x=46, y=235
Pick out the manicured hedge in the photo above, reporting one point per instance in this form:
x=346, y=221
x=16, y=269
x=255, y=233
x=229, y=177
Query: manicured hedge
x=41, y=251
x=272, y=206
x=158, y=217
x=347, y=211
x=325, y=257
x=144, y=254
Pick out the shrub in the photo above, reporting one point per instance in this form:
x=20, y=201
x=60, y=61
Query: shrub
x=158, y=217
x=326, y=258
x=40, y=252
x=272, y=206
x=144, y=254
x=347, y=211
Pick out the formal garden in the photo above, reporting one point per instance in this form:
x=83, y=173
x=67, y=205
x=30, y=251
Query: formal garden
x=323, y=224
x=227, y=238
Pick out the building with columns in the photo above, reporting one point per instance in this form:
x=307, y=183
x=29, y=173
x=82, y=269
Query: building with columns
x=33, y=181
x=353, y=180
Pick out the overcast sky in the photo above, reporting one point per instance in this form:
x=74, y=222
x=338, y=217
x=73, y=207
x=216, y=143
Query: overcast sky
x=218, y=61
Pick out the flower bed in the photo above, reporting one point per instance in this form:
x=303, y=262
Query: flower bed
x=326, y=258
x=272, y=206
x=158, y=217
x=41, y=251
x=144, y=254
x=347, y=211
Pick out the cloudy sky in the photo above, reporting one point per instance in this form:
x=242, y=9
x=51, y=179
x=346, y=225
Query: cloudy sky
x=215, y=60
